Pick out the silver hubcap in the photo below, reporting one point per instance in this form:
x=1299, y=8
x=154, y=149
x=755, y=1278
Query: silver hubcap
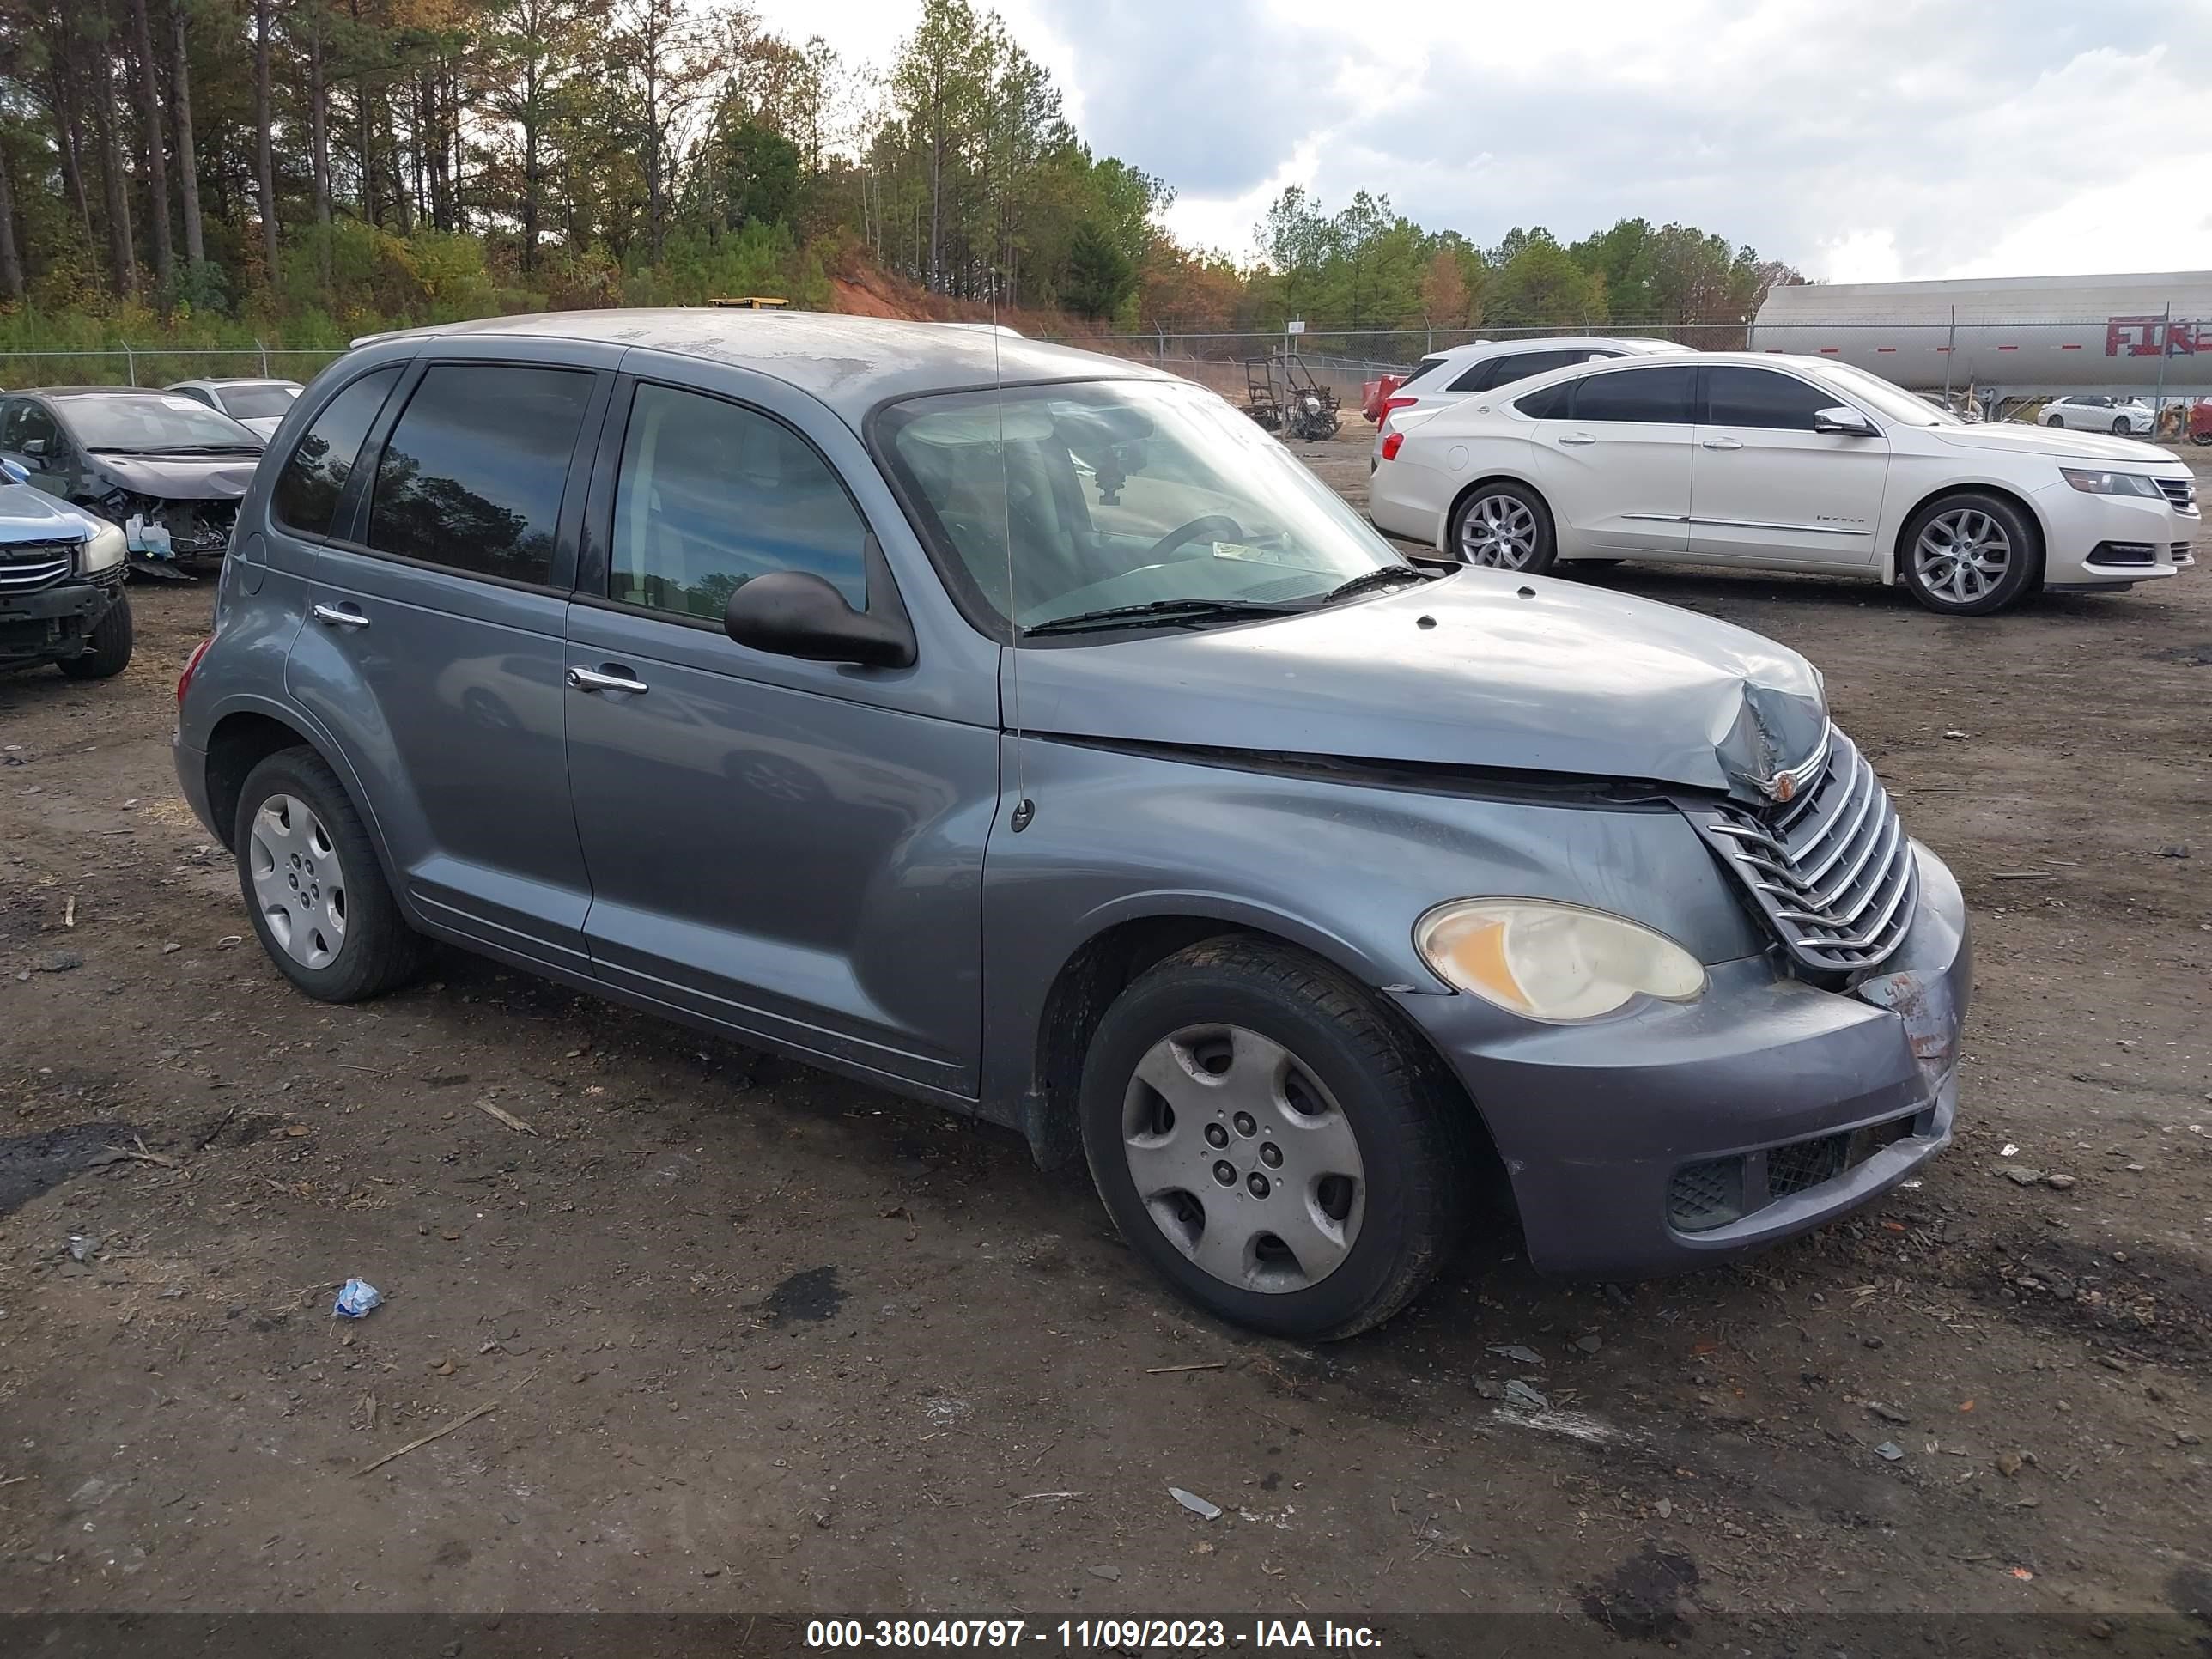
x=1962, y=555
x=298, y=881
x=1499, y=531
x=1244, y=1160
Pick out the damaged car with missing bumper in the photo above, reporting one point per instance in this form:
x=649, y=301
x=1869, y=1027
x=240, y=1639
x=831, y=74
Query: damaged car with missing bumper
x=169, y=470
x=61, y=584
x=1021, y=730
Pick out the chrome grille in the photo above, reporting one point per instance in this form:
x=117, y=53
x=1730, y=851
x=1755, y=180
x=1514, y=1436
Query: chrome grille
x=1833, y=873
x=25, y=566
x=2182, y=492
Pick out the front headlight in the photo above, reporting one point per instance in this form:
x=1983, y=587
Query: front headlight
x=105, y=550
x=2110, y=484
x=1552, y=961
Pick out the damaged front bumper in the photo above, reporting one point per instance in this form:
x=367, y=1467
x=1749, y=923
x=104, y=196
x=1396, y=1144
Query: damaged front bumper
x=171, y=533
x=1680, y=1134
x=52, y=624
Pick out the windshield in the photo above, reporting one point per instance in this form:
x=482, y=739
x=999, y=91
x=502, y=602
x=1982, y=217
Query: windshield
x=1119, y=493
x=1891, y=402
x=148, y=423
x=254, y=403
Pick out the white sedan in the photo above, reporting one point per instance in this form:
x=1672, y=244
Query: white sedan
x=2122, y=416
x=1755, y=460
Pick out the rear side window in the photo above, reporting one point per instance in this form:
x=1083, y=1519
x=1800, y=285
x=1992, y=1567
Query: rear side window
x=1553, y=403
x=1477, y=378
x=1644, y=396
x=711, y=495
x=471, y=476
x=315, y=472
x=1426, y=365
x=1761, y=398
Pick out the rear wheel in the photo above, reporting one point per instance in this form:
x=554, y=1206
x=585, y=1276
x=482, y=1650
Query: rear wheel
x=108, y=651
x=313, y=886
x=1971, y=556
x=2120, y=428
x=2054, y=420
x=1270, y=1144
x=1504, y=526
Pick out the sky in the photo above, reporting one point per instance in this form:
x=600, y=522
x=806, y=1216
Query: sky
x=1859, y=142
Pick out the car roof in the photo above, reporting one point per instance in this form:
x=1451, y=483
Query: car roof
x=87, y=392
x=1476, y=350
x=219, y=381
x=850, y=363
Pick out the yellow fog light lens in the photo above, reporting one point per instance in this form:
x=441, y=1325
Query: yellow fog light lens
x=1551, y=961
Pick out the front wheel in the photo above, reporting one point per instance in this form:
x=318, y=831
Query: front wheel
x=2200, y=438
x=2120, y=428
x=107, y=653
x=1504, y=526
x=2054, y=420
x=1270, y=1144
x=313, y=886
x=1971, y=556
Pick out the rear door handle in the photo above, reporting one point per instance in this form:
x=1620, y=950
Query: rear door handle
x=592, y=679
x=1576, y=438
x=1722, y=443
x=340, y=616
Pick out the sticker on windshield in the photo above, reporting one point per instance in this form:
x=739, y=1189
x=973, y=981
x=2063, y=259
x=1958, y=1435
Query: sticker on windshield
x=184, y=403
x=1251, y=554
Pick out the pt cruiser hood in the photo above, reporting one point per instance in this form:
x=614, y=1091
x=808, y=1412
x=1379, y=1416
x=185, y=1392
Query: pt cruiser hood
x=180, y=478
x=1464, y=671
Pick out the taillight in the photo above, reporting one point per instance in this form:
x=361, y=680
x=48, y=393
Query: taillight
x=1390, y=445
x=191, y=667
x=1390, y=403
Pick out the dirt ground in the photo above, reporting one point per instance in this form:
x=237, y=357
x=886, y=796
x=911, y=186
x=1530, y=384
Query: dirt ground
x=745, y=1337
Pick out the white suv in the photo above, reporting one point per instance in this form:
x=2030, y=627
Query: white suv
x=1752, y=459
x=1442, y=377
x=2122, y=416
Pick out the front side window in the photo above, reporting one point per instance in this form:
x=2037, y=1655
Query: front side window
x=711, y=495
x=1643, y=396
x=1762, y=397
x=472, y=475
x=315, y=472
x=1047, y=503
x=25, y=422
x=1888, y=400
x=152, y=423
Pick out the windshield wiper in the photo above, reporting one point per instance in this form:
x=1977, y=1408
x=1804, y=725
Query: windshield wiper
x=1375, y=578
x=1136, y=616
x=200, y=449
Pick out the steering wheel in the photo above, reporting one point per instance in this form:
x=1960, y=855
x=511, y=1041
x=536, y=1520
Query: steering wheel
x=1216, y=522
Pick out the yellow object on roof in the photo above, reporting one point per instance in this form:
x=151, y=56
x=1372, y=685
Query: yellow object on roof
x=751, y=302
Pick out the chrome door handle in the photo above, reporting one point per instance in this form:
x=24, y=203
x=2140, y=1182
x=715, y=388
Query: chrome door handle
x=1722, y=443
x=591, y=680
x=1576, y=438
x=337, y=615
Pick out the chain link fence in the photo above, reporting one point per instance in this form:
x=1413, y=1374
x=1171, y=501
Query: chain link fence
x=158, y=366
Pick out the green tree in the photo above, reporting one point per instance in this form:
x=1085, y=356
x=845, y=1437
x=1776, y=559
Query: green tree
x=1100, y=277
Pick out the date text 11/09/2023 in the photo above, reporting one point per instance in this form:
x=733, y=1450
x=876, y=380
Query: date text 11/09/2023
x=1116, y=1635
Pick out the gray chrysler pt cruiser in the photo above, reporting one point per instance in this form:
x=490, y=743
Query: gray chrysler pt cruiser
x=1022, y=731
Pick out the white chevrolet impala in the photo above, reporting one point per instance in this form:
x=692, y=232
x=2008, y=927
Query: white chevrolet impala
x=1755, y=460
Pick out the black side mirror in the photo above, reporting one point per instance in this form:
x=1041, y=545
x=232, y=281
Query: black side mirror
x=796, y=613
x=1843, y=421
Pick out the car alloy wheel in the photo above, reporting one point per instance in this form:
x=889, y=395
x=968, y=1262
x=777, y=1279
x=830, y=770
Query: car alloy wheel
x=1242, y=1158
x=1962, y=555
x=298, y=880
x=2120, y=428
x=1499, y=531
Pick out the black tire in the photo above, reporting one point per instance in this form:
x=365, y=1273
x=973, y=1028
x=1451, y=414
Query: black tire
x=2200, y=438
x=108, y=651
x=1413, y=1126
x=2055, y=421
x=1545, y=550
x=2023, y=569
x=378, y=951
x=2120, y=428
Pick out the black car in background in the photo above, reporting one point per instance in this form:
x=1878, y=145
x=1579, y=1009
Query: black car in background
x=167, y=469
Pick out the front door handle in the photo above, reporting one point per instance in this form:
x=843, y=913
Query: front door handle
x=339, y=616
x=592, y=679
x=1576, y=438
x=1722, y=443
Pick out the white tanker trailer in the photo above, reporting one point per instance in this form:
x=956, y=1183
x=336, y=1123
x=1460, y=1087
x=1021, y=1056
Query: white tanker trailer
x=2013, y=336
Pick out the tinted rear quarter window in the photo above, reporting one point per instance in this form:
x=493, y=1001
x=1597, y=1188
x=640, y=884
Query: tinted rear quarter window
x=1426, y=365
x=315, y=472
x=1552, y=403
x=1644, y=396
x=1762, y=397
x=1477, y=378
x=472, y=475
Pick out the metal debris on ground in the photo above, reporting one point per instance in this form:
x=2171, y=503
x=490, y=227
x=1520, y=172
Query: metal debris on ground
x=1522, y=1395
x=2008, y=1149
x=1194, y=1504
x=1889, y=1451
x=356, y=1298
x=1519, y=1355
x=82, y=1246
